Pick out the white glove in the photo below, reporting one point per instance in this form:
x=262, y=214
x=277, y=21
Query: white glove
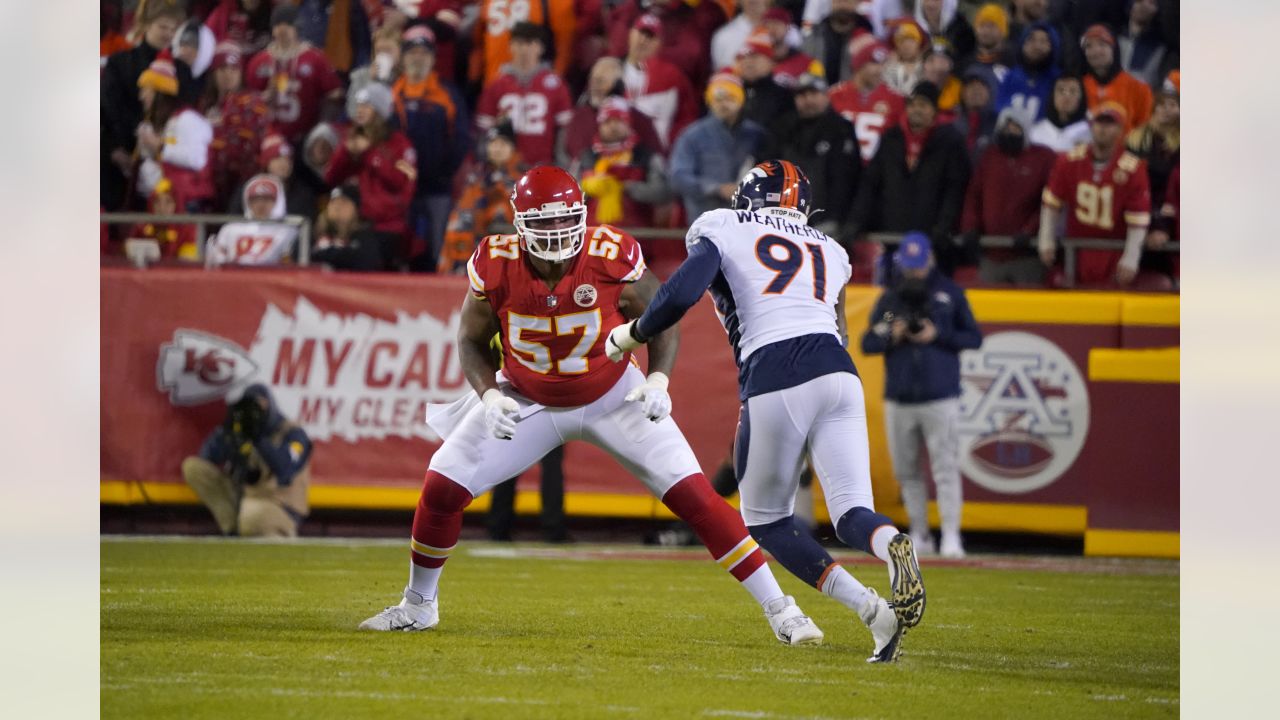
x=620, y=342
x=653, y=397
x=500, y=413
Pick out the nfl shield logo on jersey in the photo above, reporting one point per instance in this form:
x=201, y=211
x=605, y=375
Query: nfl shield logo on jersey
x=585, y=295
x=1024, y=413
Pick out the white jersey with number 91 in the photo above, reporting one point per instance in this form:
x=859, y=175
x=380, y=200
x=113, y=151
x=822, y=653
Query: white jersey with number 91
x=780, y=278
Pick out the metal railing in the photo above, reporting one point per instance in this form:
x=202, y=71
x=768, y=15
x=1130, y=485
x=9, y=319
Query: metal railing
x=202, y=221
x=1070, y=246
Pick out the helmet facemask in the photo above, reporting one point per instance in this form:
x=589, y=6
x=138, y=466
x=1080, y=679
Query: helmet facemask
x=558, y=243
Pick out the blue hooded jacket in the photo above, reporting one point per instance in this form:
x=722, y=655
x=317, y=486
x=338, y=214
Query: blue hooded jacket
x=284, y=454
x=1027, y=88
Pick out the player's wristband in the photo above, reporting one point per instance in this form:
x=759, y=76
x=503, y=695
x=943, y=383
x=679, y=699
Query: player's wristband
x=636, y=334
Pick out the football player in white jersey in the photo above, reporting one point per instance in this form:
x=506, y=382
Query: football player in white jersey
x=256, y=241
x=778, y=286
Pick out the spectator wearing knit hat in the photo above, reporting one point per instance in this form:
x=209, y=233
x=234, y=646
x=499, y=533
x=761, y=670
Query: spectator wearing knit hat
x=604, y=82
x=1104, y=79
x=991, y=50
x=300, y=84
x=121, y=110
x=483, y=195
x=176, y=240
x=1029, y=84
x=906, y=61
x=385, y=67
x=975, y=117
x=655, y=86
x=384, y=164
x=685, y=33
x=712, y=154
x=865, y=101
x=916, y=181
x=622, y=179
x=1003, y=198
x=939, y=69
x=1064, y=125
x=789, y=62
x=822, y=144
x=828, y=40
x=275, y=158
x=765, y=98
x=173, y=139
x=434, y=118
x=240, y=119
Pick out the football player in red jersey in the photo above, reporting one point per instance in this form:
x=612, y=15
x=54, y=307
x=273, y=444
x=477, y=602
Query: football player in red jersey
x=530, y=94
x=553, y=292
x=1105, y=191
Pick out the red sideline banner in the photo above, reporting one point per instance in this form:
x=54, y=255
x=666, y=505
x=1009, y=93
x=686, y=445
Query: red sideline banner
x=353, y=358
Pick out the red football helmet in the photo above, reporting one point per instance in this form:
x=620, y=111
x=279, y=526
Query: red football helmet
x=542, y=200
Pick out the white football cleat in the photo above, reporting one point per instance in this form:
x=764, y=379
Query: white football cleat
x=790, y=624
x=952, y=547
x=885, y=629
x=405, y=617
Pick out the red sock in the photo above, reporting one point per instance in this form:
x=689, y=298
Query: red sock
x=438, y=520
x=717, y=524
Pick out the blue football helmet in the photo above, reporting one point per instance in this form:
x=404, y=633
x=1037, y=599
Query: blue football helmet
x=774, y=183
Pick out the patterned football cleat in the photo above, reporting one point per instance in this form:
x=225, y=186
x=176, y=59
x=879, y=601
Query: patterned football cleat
x=885, y=627
x=908, y=585
x=790, y=624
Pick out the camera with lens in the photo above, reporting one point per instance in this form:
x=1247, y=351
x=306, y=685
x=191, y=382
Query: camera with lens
x=914, y=294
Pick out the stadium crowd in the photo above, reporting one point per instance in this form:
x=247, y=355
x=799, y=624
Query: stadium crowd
x=400, y=127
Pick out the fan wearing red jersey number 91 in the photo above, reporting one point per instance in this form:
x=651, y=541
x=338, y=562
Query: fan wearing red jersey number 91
x=552, y=293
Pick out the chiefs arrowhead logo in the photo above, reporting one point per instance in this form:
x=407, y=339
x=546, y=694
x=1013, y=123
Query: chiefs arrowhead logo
x=197, y=367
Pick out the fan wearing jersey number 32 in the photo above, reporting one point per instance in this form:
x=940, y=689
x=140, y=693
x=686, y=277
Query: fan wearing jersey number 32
x=553, y=291
x=778, y=286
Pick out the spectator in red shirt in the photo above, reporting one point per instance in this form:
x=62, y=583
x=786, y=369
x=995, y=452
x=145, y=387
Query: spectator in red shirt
x=654, y=86
x=621, y=179
x=177, y=240
x=298, y=80
x=686, y=31
x=384, y=164
x=275, y=158
x=240, y=119
x=789, y=63
x=1104, y=191
x=1004, y=199
x=528, y=93
x=866, y=101
x=604, y=82
x=247, y=23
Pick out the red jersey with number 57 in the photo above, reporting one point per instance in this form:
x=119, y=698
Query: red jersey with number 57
x=553, y=338
x=871, y=113
x=1100, y=202
x=538, y=109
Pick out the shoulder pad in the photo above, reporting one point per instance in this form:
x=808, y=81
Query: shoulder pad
x=709, y=225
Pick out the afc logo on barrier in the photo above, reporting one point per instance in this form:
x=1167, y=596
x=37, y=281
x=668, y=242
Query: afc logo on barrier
x=1024, y=413
x=197, y=367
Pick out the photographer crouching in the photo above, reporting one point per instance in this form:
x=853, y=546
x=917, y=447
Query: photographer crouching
x=254, y=470
x=921, y=323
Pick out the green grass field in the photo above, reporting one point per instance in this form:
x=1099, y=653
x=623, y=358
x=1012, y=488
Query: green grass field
x=226, y=629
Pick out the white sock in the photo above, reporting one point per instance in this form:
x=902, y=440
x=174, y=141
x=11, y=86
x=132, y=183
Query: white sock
x=424, y=581
x=846, y=589
x=762, y=585
x=880, y=546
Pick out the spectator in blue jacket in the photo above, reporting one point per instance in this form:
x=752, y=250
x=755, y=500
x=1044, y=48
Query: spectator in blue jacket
x=1029, y=85
x=433, y=116
x=920, y=324
x=713, y=153
x=254, y=470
